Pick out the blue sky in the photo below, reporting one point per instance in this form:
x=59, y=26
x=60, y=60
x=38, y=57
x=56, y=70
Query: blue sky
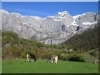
x=44, y=9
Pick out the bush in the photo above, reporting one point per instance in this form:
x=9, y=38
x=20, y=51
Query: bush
x=39, y=44
x=64, y=57
x=23, y=55
x=93, y=53
x=76, y=57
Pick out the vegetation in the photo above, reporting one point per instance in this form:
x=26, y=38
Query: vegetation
x=76, y=57
x=76, y=50
x=15, y=47
x=41, y=66
x=93, y=53
x=88, y=40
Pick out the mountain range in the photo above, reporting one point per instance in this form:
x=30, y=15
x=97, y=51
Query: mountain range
x=50, y=30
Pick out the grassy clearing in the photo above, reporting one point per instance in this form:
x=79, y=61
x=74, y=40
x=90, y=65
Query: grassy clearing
x=41, y=66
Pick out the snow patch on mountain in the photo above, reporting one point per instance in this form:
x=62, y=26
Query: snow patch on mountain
x=88, y=23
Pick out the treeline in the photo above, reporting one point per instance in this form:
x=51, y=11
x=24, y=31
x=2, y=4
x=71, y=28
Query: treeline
x=88, y=40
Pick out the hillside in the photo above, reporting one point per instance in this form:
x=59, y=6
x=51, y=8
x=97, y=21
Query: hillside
x=13, y=46
x=88, y=40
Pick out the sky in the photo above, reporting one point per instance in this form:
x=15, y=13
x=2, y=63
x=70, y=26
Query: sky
x=44, y=9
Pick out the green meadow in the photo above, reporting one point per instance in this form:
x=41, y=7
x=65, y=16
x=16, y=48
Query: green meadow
x=41, y=66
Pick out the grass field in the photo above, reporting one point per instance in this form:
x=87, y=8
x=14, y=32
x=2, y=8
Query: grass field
x=41, y=66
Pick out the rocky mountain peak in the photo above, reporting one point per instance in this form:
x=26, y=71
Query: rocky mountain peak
x=49, y=30
x=62, y=14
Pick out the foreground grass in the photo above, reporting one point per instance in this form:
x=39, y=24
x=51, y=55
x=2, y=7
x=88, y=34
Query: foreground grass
x=41, y=66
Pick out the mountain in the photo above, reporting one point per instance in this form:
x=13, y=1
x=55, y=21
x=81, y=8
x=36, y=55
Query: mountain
x=88, y=40
x=50, y=30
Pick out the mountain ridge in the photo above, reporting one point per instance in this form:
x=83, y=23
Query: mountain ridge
x=50, y=30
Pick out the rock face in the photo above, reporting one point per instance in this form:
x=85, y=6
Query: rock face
x=50, y=30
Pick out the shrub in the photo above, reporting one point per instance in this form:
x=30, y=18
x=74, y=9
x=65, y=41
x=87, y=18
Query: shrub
x=39, y=44
x=93, y=53
x=76, y=57
x=64, y=57
x=23, y=55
